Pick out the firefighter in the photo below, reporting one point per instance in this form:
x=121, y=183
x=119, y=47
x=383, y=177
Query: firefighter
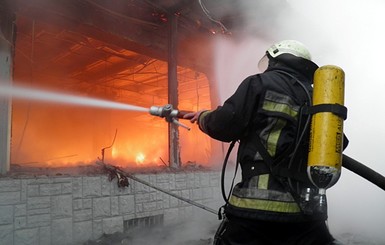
x=265, y=107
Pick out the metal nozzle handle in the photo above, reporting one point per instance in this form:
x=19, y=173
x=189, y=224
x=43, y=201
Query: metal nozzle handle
x=180, y=124
x=169, y=114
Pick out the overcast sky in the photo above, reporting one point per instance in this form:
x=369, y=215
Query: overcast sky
x=349, y=34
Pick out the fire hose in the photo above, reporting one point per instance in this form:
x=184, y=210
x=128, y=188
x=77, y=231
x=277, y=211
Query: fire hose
x=347, y=162
x=363, y=171
x=123, y=182
x=171, y=115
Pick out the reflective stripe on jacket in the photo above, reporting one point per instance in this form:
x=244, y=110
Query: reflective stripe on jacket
x=265, y=107
x=258, y=193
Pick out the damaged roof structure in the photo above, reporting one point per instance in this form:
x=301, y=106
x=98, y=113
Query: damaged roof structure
x=98, y=44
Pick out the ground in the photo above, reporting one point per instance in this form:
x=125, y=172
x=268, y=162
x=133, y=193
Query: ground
x=194, y=233
x=199, y=231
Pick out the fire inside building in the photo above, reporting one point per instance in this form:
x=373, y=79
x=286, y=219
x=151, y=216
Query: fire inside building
x=138, y=53
x=91, y=49
x=91, y=93
x=83, y=75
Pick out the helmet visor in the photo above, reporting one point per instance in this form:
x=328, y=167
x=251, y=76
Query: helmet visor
x=263, y=63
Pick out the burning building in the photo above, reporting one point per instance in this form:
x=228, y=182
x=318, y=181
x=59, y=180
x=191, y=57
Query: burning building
x=84, y=74
x=95, y=50
x=138, y=53
x=135, y=53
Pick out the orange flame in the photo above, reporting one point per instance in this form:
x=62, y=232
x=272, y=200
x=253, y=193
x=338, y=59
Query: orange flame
x=51, y=136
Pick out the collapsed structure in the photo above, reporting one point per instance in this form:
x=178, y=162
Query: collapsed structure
x=139, y=53
x=128, y=52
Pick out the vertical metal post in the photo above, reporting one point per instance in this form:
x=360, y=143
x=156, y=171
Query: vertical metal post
x=173, y=132
x=6, y=69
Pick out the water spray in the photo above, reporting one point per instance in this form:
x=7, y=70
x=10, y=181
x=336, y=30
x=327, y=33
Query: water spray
x=168, y=112
x=50, y=96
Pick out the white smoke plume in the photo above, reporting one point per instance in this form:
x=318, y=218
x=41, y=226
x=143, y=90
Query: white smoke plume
x=348, y=34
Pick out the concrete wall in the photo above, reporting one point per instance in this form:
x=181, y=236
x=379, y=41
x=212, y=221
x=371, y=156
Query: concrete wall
x=72, y=210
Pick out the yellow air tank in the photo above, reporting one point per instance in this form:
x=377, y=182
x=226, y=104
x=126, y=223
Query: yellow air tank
x=326, y=133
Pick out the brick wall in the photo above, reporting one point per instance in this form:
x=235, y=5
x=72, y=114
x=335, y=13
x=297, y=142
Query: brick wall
x=72, y=210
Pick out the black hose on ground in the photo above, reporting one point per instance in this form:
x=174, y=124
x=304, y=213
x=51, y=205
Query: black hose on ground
x=121, y=172
x=363, y=171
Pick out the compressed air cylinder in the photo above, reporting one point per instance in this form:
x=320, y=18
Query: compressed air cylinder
x=326, y=134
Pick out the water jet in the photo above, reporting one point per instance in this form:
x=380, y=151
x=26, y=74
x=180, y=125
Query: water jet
x=29, y=93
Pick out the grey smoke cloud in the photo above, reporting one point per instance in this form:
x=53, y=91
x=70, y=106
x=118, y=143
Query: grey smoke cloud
x=347, y=34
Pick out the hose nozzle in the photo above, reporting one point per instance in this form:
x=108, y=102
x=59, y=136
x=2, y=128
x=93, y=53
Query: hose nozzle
x=170, y=114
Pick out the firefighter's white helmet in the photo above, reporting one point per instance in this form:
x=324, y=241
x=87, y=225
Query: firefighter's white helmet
x=289, y=47
x=292, y=47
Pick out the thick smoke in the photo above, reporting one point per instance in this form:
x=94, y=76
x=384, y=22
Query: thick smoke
x=198, y=230
x=347, y=34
